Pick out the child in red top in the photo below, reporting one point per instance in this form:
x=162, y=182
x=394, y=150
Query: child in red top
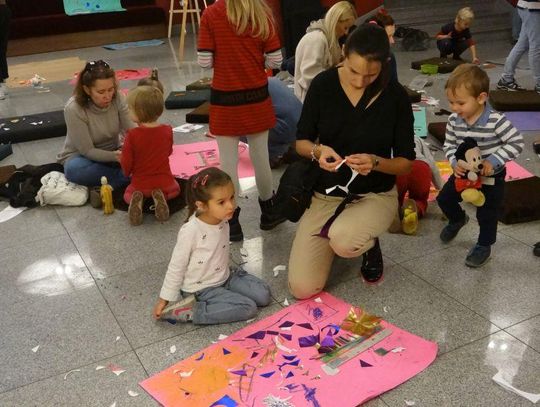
x=145, y=155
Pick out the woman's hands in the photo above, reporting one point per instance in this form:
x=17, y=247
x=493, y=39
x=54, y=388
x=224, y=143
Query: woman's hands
x=118, y=154
x=158, y=308
x=328, y=158
x=361, y=163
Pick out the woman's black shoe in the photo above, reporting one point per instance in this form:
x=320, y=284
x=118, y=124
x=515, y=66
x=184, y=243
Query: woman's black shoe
x=372, y=264
x=235, y=229
x=536, y=250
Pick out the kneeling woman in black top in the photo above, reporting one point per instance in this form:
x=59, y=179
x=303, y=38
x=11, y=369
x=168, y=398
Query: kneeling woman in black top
x=354, y=113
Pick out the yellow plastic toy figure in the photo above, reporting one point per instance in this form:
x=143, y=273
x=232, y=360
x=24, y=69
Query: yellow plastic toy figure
x=106, y=196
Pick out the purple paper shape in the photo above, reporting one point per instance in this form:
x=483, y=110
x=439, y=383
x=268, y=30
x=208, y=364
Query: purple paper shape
x=290, y=374
x=289, y=357
x=200, y=357
x=365, y=364
x=254, y=354
x=287, y=336
x=293, y=363
x=171, y=321
x=328, y=341
x=225, y=401
x=239, y=372
x=306, y=325
x=226, y=352
x=257, y=335
x=268, y=374
x=272, y=333
x=286, y=324
x=306, y=341
x=291, y=386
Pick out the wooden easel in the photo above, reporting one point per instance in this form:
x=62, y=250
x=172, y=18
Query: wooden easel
x=186, y=7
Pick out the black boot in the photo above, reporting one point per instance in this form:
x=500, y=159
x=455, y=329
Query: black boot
x=372, y=264
x=270, y=214
x=235, y=229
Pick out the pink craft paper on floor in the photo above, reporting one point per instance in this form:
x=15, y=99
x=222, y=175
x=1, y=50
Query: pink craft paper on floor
x=242, y=371
x=514, y=171
x=123, y=74
x=189, y=159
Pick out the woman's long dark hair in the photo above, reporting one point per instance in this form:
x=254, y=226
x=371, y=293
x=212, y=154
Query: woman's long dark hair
x=371, y=42
x=93, y=71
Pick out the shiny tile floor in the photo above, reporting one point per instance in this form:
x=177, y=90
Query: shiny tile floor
x=81, y=285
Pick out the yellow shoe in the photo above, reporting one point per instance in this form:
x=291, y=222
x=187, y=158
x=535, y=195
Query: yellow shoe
x=409, y=223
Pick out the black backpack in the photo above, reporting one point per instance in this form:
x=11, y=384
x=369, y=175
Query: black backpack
x=415, y=40
x=295, y=189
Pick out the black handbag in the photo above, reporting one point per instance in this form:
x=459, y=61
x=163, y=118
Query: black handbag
x=295, y=189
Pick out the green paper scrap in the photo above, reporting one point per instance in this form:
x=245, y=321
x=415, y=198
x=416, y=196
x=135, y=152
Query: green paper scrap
x=381, y=351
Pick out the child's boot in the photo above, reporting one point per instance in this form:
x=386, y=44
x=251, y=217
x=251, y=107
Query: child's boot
x=536, y=250
x=270, y=214
x=451, y=230
x=135, y=208
x=478, y=256
x=160, y=205
x=235, y=229
x=180, y=311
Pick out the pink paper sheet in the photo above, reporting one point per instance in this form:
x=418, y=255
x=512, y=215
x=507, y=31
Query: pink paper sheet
x=189, y=159
x=239, y=370
x=513, y=171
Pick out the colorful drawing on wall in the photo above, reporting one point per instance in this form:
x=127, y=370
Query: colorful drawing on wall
x=189, y=159
x=300, y=356
x=74, y=7
x=514, y=171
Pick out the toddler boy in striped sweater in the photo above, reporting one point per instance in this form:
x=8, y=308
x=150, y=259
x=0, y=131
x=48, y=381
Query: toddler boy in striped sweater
x=499, y=141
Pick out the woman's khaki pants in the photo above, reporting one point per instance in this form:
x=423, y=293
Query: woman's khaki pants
x=352, y=233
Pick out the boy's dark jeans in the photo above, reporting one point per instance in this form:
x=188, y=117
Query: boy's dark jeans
x=449, y=46
x=487, y=215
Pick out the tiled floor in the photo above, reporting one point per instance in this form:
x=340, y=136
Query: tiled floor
x=81, y=285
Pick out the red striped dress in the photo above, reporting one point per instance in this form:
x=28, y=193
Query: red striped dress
x=239, y=104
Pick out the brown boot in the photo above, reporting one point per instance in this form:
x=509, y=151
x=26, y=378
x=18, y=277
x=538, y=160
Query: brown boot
x=160, y=205
x=135, y=208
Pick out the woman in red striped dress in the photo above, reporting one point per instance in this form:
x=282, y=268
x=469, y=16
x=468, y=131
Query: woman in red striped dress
x=238, y=39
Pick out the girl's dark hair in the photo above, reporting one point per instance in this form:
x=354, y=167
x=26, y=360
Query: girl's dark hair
x=200, y=186
x=382, y=19
x=92, y=71
x=371, y=42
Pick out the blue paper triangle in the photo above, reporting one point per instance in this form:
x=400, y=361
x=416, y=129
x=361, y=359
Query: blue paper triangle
x=267, y=375
x=226, y=352
x=290, y=374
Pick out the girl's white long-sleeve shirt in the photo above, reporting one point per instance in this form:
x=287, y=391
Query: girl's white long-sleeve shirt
x=200, y=259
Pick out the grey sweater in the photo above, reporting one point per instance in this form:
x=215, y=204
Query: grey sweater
x=93, y=132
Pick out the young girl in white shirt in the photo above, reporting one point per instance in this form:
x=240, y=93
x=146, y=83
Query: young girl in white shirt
x=199, y=268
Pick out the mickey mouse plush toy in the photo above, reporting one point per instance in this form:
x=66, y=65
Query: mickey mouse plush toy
x=469, y=157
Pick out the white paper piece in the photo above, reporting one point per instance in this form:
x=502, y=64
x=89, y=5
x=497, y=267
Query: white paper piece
x=346, y=187
x=71, y=371
x=243, y=252
x=133, y=393
x=399, y=349
x=410, y=403
x=117, y=338
x=173, y=349
x=318, y=299
x=276, y=401
x=113, y=404
x=286, y=302
x=283, y=347
x=279, y=268
x=340, y=164
x=100, y=367
x=35, y=349
x=186, y=374
x=385, y=308
x=221, y=337
x=10, y=212
x=188, y=128
x=498, y=378
x=118, y=372
x=249, y=321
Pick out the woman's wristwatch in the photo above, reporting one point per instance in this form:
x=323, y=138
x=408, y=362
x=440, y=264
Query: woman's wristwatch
x=374, y=161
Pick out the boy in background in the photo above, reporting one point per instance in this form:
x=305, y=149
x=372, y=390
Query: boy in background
x=454, y=38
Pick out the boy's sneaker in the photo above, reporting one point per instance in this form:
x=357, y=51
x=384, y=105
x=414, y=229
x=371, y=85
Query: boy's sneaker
x=511, y=86
x=160, y=205
x=451, y=230
x=135, y=213
x=180, y=311
x=478, y=256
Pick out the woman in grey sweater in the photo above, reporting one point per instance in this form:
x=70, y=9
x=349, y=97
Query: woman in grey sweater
x=95, y=116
